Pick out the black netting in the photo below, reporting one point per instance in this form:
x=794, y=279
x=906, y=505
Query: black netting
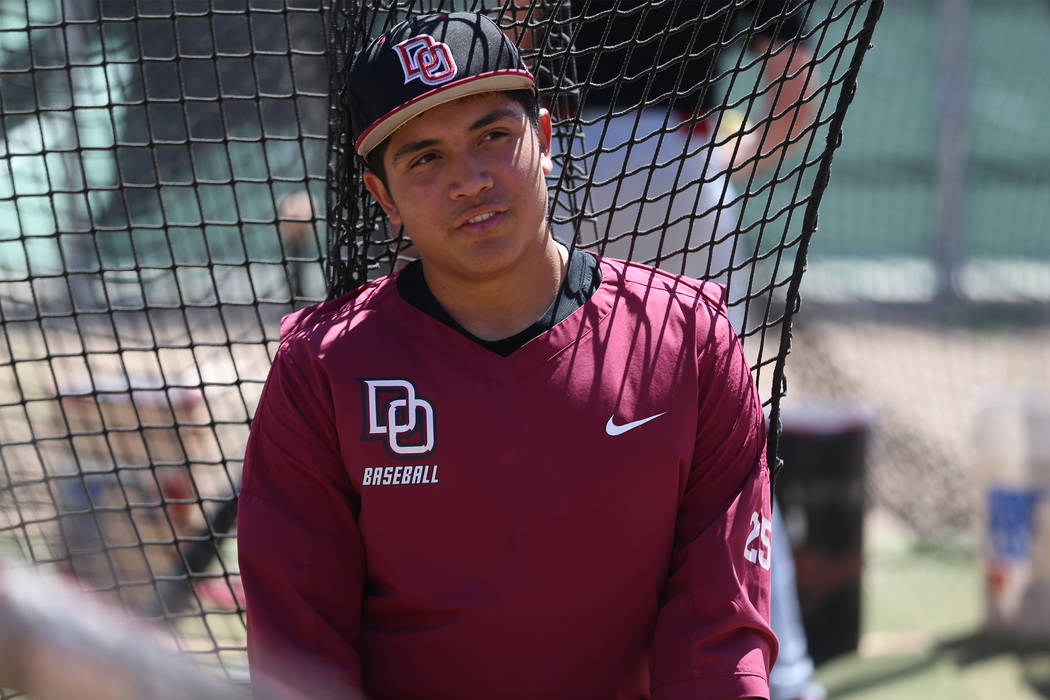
x=163, y=203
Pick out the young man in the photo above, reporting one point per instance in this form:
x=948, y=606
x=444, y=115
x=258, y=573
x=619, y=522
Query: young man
x=511, y=470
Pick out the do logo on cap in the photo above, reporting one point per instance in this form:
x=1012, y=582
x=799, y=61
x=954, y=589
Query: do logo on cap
x=426, y=59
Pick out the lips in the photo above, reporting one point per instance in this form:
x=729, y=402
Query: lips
x=481, y=218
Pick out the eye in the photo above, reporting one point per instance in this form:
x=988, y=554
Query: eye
x=422, y=160
x=494, y=134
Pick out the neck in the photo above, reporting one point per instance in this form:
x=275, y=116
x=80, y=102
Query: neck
x=501, y=306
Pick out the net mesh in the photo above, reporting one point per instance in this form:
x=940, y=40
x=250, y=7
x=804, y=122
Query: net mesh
x=164, y=202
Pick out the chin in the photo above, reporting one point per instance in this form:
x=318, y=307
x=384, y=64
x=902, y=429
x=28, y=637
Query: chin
x=492, y=262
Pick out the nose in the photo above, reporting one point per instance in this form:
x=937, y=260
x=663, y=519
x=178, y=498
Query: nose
x=470, y=177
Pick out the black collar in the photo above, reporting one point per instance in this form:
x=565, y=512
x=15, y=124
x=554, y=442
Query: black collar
x=581, y=281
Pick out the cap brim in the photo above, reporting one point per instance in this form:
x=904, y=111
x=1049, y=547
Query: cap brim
x=511, y=79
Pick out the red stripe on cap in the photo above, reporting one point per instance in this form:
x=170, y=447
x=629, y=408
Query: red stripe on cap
x=442, y=88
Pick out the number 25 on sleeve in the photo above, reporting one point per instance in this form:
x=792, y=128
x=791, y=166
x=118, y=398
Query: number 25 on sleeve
x=758, y=548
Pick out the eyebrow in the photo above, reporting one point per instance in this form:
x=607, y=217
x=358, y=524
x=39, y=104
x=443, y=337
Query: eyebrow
x=488, y=118
x=493, y=116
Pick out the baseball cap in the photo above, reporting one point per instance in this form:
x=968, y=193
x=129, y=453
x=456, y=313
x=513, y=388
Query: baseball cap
x=425, y=61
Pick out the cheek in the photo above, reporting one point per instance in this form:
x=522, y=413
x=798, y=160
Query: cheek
x=541, y=185
x=407, y=205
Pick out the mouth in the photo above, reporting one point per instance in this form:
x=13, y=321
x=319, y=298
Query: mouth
x=481, y=217
x=482, y=220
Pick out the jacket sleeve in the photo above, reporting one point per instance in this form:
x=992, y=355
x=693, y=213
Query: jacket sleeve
x=713, y=638
x=299, y=547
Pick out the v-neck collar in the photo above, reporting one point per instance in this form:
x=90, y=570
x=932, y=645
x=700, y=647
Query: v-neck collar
x=582, y=279
x=582, y=323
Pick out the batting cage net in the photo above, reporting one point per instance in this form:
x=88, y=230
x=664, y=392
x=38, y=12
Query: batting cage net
x=176, y=176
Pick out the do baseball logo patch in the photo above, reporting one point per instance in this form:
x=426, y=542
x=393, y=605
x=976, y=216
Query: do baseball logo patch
x=394, y=411
x=426, y=59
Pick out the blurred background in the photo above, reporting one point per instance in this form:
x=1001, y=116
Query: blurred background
x=921, y=364
x=161, y=207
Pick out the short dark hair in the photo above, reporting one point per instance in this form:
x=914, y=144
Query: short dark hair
x=526, y=98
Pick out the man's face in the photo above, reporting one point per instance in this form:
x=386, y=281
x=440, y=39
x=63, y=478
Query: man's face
x=466, y=180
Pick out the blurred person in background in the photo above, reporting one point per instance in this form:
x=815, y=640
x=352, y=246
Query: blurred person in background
x=662, y=173
x=298, y=213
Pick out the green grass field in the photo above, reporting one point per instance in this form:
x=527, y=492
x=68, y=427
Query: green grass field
x=922, y=630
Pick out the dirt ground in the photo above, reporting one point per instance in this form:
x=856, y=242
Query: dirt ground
x=945, y=398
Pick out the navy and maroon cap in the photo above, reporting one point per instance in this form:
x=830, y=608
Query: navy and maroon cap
x=425, y=61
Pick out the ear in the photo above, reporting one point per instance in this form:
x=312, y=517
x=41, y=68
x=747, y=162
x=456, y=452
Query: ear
x=545, y=142
x=382, y=195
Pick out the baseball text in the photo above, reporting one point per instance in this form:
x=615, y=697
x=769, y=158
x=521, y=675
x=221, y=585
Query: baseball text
x=400, y=475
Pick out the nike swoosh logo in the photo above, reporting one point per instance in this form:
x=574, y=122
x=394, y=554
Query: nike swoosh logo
x=612, y=429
